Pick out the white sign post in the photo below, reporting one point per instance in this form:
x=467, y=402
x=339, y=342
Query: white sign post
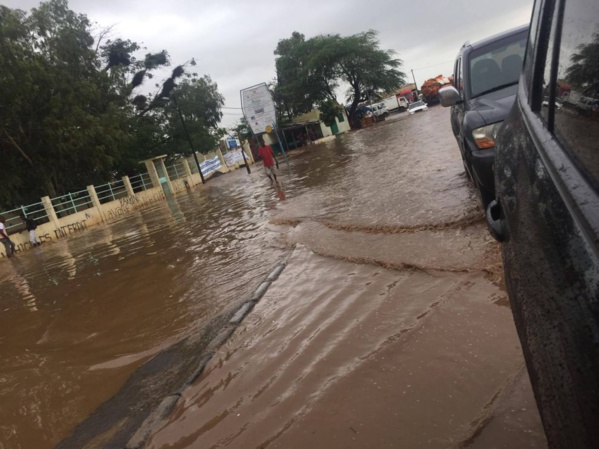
x=258, y=107
x=259, y=111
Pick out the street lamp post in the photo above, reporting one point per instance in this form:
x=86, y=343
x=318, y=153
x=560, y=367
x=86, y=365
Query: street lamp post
x=247, y=165
x=415, y=85
x=188, y=138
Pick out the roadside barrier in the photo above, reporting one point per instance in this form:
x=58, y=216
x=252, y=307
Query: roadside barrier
x=73, y=212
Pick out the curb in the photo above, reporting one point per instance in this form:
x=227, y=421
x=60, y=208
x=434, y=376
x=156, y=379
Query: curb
x=158, y=416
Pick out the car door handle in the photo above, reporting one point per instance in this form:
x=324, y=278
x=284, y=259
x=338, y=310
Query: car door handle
x=495, y=223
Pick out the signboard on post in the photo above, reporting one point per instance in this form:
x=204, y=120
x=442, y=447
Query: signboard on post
x=258, y=107
x=232, y=142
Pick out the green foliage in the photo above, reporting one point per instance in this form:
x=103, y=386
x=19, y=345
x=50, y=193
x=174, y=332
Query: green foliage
x=56, y=117
x=68, y=114
x=200, y=105
x=309, y=71
x=584, y=71
x=242, y=130
x=329, y=111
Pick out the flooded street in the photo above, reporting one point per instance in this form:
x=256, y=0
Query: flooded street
x=389, y=327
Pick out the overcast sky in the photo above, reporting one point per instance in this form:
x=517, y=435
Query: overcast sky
x=233, y=40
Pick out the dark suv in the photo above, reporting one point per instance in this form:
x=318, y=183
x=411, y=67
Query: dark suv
x=486, y=77
x=547, y=214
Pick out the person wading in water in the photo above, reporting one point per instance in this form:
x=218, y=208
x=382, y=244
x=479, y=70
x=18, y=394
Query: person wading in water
x=269, y=160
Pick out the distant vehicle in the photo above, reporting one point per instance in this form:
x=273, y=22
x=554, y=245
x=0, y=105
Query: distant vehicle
x=395, y=102
x=556, y=102
x=486, y=80
x=430, y=89
x=379, y=110
x=547, y=215
x=417, y=106
x=364, y=112
x=582, y=104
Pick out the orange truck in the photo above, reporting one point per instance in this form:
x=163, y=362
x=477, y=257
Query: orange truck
x=430, y=88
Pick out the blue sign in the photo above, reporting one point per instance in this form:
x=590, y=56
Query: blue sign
x=210, y=166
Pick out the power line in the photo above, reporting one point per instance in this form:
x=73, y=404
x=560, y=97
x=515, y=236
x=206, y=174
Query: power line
x=434, y=65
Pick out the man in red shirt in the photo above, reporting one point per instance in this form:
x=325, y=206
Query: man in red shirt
x=269, y=160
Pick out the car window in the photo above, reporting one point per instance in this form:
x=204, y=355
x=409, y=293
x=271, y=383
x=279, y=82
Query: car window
x=458, y=77
x=577, y=120
x=497, y=65
x=548, y=84
x=532, y=39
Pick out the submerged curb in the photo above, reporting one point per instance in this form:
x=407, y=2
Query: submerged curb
x=168, y=404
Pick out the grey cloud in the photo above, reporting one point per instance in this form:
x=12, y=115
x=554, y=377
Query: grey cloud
x=233, y=40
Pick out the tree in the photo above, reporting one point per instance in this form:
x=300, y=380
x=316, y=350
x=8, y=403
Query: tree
x=309, y=71
x=584, y=71
x=242, y=130
x=59, y=126
x=200, y=104
x=69, y=116
x=329, y=111
x=368, y=70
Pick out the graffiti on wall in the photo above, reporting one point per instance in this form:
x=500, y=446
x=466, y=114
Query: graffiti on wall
x=125, y=205
x=130, y=203
x=59, y=233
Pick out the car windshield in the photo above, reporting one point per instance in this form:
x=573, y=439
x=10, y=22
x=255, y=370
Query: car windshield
x=416, y=104
x=496, y=65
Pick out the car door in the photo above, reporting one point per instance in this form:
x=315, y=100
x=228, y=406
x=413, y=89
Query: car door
x=547, y=179
x=457, y=111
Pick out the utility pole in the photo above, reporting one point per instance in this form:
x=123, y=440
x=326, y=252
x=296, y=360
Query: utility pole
x=188, y=138
x=247, y=165
x=415, y=85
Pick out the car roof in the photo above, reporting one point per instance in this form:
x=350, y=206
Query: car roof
x=496, y=37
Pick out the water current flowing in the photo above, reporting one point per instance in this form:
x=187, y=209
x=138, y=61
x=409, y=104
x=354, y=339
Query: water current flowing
x=389, y=316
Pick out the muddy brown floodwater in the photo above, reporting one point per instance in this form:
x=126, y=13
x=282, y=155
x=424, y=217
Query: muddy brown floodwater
x=387, y=329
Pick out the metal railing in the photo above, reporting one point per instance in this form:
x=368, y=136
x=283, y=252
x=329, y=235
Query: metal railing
x=140, y=182
x=111, y=191
x=71, y=203
x=176, y=170
x=13, y=220
x=74, y=202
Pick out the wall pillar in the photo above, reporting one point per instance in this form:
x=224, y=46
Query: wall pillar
x=248, y=152
x=96, y=201
x=186, y=167
x=50, y=212
x=223, y=164
x=128, y=186
x=153, y=173
x=160, y=163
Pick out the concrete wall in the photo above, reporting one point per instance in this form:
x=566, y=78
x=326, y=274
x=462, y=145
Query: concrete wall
x=326, y=130
x=58, y=228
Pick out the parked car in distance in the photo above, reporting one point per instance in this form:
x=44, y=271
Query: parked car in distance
x=486, y=77
x=547, y=215
x=395, y=102
x=379, y=110
x=417, y=106
x=364, y=112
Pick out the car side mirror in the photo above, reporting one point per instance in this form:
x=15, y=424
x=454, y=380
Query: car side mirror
x=449, y=96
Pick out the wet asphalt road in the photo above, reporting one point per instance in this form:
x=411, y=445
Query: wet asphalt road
x=383, y=213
